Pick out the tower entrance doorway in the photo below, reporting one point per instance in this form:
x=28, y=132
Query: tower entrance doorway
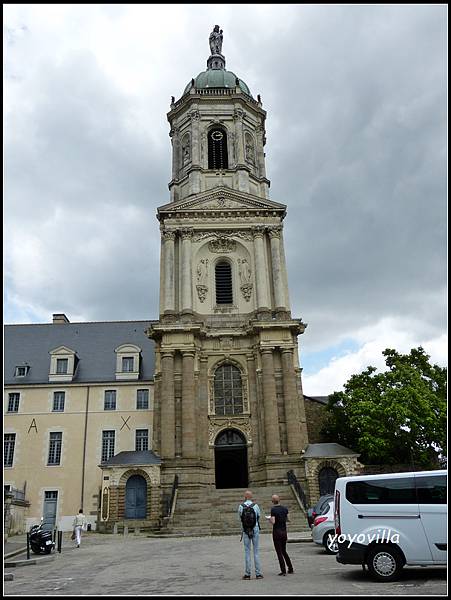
x=231, y=460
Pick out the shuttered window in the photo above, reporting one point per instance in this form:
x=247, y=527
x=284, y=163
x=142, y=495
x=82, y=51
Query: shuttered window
x=223, y=278
x=217, y=149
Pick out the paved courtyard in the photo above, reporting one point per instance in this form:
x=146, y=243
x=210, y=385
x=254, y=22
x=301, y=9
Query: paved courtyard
x=135, y=565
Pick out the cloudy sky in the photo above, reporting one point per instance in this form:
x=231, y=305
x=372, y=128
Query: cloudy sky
x=356, y=148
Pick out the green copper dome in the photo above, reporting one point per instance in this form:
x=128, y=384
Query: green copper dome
x=217, y=78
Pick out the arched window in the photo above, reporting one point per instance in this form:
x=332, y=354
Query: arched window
x=223, y=280
x=228, y=391
x=217, y=149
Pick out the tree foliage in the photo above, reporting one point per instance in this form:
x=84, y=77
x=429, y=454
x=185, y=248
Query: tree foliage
x=397, y=416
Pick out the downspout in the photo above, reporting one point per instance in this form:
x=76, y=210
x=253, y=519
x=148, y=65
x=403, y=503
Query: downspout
x=84, y=451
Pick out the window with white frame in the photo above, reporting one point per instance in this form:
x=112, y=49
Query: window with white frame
x=107, y=444
x=58, y=401
x=13, y=402
x=142, y=399
x=61, y=366
x=8, y=449
x=142, y=440
x=56, y=440
x=128, y=364
x=110, y=400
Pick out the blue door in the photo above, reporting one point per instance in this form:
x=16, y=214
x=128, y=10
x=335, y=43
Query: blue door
x=136, y=498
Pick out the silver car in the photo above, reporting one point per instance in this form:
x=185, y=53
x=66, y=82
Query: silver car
x=323, y=530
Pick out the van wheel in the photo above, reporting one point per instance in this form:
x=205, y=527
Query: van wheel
x=385, y=563
x=330, y=542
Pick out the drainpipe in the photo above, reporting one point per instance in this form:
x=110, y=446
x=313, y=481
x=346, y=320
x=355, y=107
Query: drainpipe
x=84, y=450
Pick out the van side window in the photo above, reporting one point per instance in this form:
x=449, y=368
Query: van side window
x=382, y=491
x=431, y=489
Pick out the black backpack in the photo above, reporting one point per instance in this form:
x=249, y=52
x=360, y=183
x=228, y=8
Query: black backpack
x=248, y=519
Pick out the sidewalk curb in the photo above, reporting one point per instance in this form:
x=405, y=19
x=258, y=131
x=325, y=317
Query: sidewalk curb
x=25, y=563
x=15, y=553
x=300, y=541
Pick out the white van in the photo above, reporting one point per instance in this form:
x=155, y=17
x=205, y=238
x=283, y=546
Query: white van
x=388, y=521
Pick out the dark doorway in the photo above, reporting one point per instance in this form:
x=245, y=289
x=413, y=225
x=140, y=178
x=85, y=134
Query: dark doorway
x=326, y=480
x=136, y=497
x=231, y=460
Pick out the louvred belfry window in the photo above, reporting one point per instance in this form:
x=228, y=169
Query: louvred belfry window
x=223, y=279
x=217, y=149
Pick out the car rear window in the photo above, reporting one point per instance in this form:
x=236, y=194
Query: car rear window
x=431, y=489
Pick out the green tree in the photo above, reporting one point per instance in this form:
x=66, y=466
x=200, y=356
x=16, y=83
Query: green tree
x=397, y=416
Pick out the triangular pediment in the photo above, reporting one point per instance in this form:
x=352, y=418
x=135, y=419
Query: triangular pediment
x=222, y=199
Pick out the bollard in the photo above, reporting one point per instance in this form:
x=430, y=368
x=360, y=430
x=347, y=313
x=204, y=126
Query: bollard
x=54, y=534
x=60, y=540
x=125, y=529
x=28, y=545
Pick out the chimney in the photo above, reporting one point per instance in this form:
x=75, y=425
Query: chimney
x=60, y=318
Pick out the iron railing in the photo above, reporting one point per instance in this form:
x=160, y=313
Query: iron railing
x=293, y=480
x=170, y=499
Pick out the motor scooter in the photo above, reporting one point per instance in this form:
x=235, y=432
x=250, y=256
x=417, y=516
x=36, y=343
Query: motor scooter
x=41, y=541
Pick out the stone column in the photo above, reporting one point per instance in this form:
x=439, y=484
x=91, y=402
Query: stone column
x=203, y=407
x=167, y=404
x=195, y=121
x=270, y=403
x=174, y=135
x=291, y=402
x=260, y=131
x=260, y=271
x=189, y=438
x=169, y=269
x=256, y=433
x=187, y=295
x=278, y=282
x=238, y=118
x=283, y=264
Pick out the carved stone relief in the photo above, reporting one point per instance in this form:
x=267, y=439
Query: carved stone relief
x=202, y=279
x=222, y=245
x=216, y=425
x=201, y=235
x=245, y=273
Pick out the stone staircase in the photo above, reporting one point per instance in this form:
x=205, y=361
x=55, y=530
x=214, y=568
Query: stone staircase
x=202, y=512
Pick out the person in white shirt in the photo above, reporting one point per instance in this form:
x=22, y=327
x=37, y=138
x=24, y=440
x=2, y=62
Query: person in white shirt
x=79, y=524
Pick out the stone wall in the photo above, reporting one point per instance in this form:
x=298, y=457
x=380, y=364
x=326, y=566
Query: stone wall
x=315, y=415
x=15, y=512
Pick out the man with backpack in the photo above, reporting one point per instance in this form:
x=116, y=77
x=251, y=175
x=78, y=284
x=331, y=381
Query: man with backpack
x=249, y=513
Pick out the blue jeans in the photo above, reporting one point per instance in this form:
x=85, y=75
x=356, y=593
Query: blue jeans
x=247, y=553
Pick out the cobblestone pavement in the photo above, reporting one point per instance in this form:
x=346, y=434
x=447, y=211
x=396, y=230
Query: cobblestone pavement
x=134, y=565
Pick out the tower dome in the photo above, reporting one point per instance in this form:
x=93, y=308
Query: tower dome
x=216, y=75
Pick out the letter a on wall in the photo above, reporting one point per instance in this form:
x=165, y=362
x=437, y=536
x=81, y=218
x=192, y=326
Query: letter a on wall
x=33, y=425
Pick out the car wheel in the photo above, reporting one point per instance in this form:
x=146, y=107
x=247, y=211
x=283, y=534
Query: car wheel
x=330, y=542
x=385, y=563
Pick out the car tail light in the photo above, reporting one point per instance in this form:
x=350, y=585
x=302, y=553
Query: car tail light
x=337, y=513
x=319, y=520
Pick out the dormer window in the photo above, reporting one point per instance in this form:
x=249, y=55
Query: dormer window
x=127, y=361
x=63, y=364
x=21, y=371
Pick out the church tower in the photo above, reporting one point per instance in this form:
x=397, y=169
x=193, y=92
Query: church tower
x=229, y=409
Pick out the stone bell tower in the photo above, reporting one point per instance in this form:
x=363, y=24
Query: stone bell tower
x=229, y=409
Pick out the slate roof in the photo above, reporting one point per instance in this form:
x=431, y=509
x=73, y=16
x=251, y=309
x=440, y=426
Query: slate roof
x=327, y=450
x=133, y=457
x=94, y=344
x=320, y=399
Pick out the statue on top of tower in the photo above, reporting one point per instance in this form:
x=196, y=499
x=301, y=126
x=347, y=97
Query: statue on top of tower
x=215, y=40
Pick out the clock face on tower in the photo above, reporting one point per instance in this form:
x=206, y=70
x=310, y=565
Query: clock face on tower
x=216, y=136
